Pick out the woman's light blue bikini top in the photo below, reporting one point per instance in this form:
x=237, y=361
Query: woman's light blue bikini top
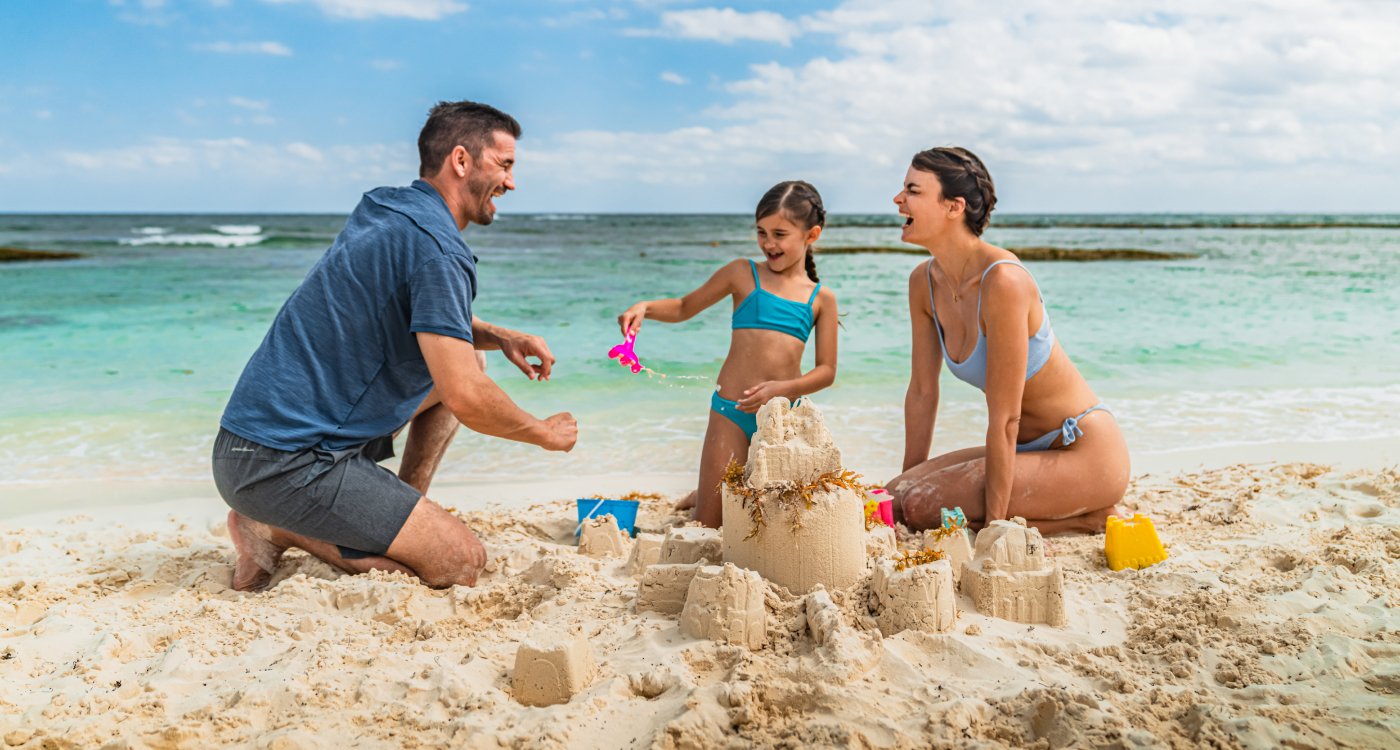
x=766, y=310
x=973, y=370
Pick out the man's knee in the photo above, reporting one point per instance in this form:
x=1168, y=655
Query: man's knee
x=459, y=564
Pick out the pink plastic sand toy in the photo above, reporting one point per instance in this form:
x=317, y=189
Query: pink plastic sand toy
x=626, y=355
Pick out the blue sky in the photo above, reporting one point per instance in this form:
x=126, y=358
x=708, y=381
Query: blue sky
x=669, y=105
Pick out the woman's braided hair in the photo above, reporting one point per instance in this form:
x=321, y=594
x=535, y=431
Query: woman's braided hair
x=962, y=175
x=800, y=202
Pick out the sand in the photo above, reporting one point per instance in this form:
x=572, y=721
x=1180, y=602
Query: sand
x=1273, y=623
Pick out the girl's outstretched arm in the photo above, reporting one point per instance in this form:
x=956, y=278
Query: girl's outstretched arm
x=921, y=400
x=822, y=375
x=677, y=309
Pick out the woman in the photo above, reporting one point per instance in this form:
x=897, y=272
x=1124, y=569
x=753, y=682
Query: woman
x=1054, y=455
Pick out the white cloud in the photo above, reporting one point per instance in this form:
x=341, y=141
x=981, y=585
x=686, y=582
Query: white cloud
x=252, y=104
x=386, y=64
x=341, y=169
x=43, y=114
x=580, y=17
x=724, y=25
x=275, y=49
x=305, y=151
x=673, y=77
x=419, y=10
x=1201, y=106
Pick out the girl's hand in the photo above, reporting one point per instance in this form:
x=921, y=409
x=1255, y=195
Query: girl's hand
x=631, y=321
x=761, y=394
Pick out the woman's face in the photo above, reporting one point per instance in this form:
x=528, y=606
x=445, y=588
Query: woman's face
x=927, y=216
x=784, y=242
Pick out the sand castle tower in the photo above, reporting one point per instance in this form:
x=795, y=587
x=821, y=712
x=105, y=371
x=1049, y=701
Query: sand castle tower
x=800, y=540
x=1009, y=576
x=916, y=597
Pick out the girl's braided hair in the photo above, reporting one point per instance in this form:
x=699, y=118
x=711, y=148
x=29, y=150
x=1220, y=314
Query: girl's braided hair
x=798, y=201
x=962, y=175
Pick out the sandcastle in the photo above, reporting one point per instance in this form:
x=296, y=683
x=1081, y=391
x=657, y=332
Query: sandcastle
x=955, y=546
x=664, y=587
x=646, y=551
x=551, y=670
x=917, y=597
x=599, y=536
x=725, y=603
x=795, y=519
x=1009, y=576
x=690, y=544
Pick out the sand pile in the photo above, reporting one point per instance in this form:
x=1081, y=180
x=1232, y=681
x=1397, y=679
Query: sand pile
x=1273, y=623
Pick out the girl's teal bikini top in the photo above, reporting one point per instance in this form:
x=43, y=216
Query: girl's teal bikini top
x=763, y=309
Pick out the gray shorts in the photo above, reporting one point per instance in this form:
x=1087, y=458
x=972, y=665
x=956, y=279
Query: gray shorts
x=343, y=497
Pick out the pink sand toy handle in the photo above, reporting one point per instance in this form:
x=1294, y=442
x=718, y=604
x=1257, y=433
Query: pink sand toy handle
x=626, y=355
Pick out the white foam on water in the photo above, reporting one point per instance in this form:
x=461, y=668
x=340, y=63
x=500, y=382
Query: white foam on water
x=150, y=230
x=237, y=229
x=211, y=240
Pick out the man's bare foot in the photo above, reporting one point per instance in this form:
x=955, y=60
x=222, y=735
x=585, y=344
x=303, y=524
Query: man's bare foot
x=257, y=557
x=686, y=503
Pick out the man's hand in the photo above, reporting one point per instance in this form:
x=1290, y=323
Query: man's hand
x=561, y=432
x=519, y=347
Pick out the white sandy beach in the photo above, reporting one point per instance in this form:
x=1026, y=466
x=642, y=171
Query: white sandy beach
x=1273, y=623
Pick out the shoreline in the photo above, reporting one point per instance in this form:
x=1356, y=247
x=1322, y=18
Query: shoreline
x=19, y=501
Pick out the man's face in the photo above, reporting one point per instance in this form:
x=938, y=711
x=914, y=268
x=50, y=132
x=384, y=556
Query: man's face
x=491, y=176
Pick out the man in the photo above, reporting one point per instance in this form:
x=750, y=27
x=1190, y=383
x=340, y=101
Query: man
x=378, y=335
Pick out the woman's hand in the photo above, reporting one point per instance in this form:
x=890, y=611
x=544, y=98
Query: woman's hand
x=631, y=321
x=761, y=394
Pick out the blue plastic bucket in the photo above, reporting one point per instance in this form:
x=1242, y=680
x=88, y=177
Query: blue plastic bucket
x=625, y=511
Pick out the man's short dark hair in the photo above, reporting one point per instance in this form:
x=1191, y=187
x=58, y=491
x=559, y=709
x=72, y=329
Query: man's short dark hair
x=468, y=124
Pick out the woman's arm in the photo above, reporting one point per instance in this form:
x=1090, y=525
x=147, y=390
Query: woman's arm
x=822, y=375
x=926, y=362
x=1006, y=304
x=677, y=309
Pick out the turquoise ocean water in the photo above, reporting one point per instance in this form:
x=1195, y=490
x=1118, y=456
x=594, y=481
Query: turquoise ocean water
x=117, y=365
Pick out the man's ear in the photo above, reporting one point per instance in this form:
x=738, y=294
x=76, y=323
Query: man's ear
x=461, y=160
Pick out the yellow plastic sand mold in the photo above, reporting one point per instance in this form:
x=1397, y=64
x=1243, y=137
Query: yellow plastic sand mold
x=1132, y=543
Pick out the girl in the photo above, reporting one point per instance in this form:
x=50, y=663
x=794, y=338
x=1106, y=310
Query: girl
x=777, y=303
x=1054, y=454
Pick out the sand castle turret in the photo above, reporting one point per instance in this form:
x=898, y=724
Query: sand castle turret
x=550, y=668
x=782, y=520
x=599, y=536
x=725, y=603
x=1009, y=576
x=954, y=544
x=914, y=597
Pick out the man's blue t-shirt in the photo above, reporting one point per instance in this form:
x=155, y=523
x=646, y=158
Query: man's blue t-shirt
x=341, y=364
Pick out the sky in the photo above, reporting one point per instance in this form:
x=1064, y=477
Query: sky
x=1094, y=106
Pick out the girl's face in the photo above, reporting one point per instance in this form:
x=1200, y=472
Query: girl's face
x=928, y=218
x=784, y=242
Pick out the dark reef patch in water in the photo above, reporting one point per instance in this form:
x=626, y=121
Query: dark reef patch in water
x=15, y=255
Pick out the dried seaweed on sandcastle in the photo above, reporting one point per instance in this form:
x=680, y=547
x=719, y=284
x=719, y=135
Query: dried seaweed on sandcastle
x=1009, y=576
x=793, y=514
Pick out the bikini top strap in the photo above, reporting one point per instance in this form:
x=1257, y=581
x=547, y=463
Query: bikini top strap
x=754, y=267
x=813, y=298
x=984, y=279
